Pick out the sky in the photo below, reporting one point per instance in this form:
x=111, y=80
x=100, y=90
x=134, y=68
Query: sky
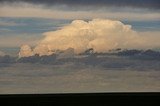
x=26, y=21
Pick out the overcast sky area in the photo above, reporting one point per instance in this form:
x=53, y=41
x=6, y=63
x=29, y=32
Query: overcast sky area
x=24, y=21
x=82, y=9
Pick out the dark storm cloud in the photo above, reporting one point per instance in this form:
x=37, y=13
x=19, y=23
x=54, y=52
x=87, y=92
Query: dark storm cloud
x=151, y=4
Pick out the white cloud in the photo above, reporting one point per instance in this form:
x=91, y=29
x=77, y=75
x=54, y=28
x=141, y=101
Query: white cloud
x=25, y=51
x=100, y=34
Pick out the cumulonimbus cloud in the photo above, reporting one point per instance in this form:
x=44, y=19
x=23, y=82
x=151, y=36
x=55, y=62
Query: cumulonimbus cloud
x=100, y=34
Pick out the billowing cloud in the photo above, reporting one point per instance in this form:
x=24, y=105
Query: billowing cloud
x=25, y=51
x=42, y=50
x=100, y=34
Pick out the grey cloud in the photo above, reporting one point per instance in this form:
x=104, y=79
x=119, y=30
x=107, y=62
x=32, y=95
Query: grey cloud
x=151, y=4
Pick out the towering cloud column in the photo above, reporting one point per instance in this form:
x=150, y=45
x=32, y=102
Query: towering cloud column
x=99, y=34
x=25, y=51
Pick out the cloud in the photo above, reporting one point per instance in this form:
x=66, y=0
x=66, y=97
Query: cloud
x=100, y=34
x=64, y=12
x=152, y=4
x=150, y=39
x=25, y=51
x=18, y=40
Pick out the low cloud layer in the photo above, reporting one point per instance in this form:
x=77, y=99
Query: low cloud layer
x=100, y=34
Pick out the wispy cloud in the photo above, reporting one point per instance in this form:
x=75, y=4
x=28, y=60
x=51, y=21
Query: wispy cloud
x=18, y=40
